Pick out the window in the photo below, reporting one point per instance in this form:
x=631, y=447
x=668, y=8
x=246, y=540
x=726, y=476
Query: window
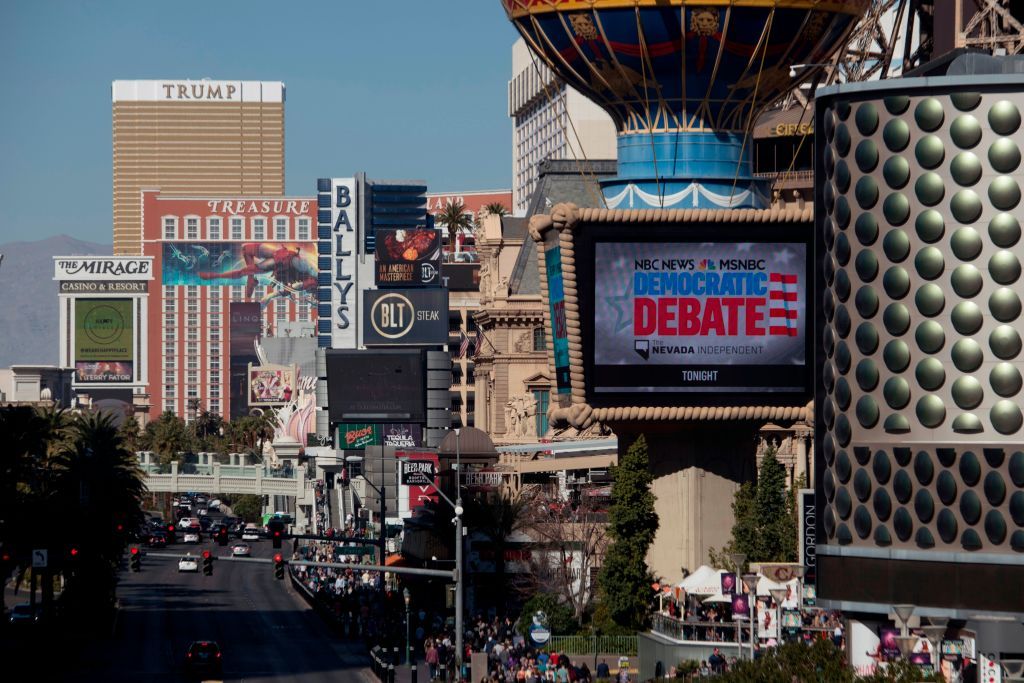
x=236, y=227
x=213, y=225
x=215, y=377
x=215, y=407
x=192, y=227
x=170, y=228
x=259, y=228
x=302, y=228
x=303, y=313
x=168, y=305
x=540, y=341
x=542, y=398
x=236, y=292
x=281, y=228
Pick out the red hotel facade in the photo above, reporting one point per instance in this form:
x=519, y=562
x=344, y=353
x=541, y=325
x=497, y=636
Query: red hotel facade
x=216, y=258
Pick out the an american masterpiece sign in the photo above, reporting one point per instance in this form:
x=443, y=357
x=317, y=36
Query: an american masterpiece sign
x=702, y=317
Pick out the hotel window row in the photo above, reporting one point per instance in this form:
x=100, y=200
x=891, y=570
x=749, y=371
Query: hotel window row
x=282, y=228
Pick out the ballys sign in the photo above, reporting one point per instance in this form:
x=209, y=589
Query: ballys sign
x=102, y=268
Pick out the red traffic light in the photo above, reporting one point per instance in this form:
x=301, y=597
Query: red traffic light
x=278, y=558
x=206, y=554
x=135, y=551
x=73, y=552
x=120, y=528
x=170, y=527
x=6, y=557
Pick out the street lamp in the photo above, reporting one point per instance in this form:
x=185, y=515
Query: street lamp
x=750, y=581
x=382, y=541
x=459, y=651
x=778, y=595
x=408, y=644
x=737, y=560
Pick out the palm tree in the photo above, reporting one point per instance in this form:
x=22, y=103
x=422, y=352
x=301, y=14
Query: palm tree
x=498, y=520
x=496, y=209
x=454, y=217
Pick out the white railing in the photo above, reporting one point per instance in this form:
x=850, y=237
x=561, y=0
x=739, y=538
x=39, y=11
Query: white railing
x=250, y=480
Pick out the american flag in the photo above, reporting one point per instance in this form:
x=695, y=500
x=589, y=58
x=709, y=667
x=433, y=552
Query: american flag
x=463, y=344
x=782, y=304
x=478, y=342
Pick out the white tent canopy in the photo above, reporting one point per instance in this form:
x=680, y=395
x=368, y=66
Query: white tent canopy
x=704, y=581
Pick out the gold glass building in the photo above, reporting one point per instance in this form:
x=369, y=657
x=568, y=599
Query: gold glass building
x=205, y=137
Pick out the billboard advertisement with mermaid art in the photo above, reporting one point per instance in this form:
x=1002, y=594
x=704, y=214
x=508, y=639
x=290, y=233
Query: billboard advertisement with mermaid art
x=284, y=269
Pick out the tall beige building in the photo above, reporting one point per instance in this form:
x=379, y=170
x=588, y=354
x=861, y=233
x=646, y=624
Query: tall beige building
x=203, y=137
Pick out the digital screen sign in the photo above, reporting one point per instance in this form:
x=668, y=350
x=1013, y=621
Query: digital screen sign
x=408, y=257
x=405, y=316
x=376, y=386
x=704, y=313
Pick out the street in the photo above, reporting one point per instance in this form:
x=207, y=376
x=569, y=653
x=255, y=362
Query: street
x=264, y=628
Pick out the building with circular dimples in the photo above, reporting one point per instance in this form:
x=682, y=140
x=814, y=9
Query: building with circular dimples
x=918, y=212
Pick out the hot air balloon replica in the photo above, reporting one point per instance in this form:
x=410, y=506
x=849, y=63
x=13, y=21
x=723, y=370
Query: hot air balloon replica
x=684, y=82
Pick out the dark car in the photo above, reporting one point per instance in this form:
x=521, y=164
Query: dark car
x=236, y=528
x=157, y=539
x=205, y=522
x=203, y=659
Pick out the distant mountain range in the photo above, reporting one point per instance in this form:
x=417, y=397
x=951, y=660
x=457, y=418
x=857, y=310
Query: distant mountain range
x=28, y=298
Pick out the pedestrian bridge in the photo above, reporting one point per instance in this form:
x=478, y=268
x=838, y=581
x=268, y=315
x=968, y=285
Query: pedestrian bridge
x=216, y=478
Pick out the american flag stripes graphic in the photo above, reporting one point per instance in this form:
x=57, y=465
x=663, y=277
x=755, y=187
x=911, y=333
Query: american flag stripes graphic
x=782, y=305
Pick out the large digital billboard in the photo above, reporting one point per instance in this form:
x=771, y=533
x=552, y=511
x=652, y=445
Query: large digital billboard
x=702, y=313
x=288, y=269
x=271, y=384
x=244, y=330
x=408, y=257
x=376, y=386
x=556, y=304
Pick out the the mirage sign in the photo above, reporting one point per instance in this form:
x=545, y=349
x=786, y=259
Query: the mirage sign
x=687, y=316
x=78, y=268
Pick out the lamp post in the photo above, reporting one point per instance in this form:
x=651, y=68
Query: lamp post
x=382, y=541
x=459, y=652
x=750, y=581
x=408, y=643
x=778, y=595
x=737, y=560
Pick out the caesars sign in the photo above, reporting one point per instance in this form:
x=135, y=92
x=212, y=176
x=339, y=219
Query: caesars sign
x=104, y=334
x=409, y=316
x=699, y=317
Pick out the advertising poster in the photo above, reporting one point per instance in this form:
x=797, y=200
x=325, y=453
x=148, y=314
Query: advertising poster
x=405, y=317
x=243, y=331
x=287, y=269
x=728, y=583
x=271, y=384
x=358, y=436
x=767, y=621
x=87, y=372
x=741, y=604
x=420, y=495
x=103, y=330
x=405, y=435
x=890, y=650
x=408, y=257
x=556, y=302
x=707, y=317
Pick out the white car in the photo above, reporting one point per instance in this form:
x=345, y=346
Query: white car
x=241, y=550
x=250, y=534
x=188, y=564
x=214, y=505
x=186, y=522
x=191, y=537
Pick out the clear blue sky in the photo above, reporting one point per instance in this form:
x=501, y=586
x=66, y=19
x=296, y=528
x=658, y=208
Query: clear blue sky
x=396, y=88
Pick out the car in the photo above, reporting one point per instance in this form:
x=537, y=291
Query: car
x=203, y=659
x=24, y=614
x=214, y=505
x=191, y=537
x=186, y=522
x=188, y=563
x=205, y=521
x=157, y=539
x=202, y=512
x=241, y=550
x=250, y=533
x=200, y=500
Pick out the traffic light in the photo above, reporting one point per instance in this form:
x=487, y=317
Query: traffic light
x=136, y=560
x=278, y=566
x=222, y=536
x=170, y=533
x=277, y=538
x=207, y=563
x=276, y=529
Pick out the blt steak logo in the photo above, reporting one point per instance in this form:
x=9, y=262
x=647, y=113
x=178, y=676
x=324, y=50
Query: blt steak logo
x=393, y=315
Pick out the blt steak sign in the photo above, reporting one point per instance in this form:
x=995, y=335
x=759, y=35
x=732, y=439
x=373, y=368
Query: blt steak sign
x=405, y=317
x=417, y=473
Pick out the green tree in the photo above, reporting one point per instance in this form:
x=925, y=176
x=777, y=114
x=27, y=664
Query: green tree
x=765, y=526
x=625, y=579
x=560, y=619
x=455, y=219
x=248, y=507
x=168, y=436
x=496, y=209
